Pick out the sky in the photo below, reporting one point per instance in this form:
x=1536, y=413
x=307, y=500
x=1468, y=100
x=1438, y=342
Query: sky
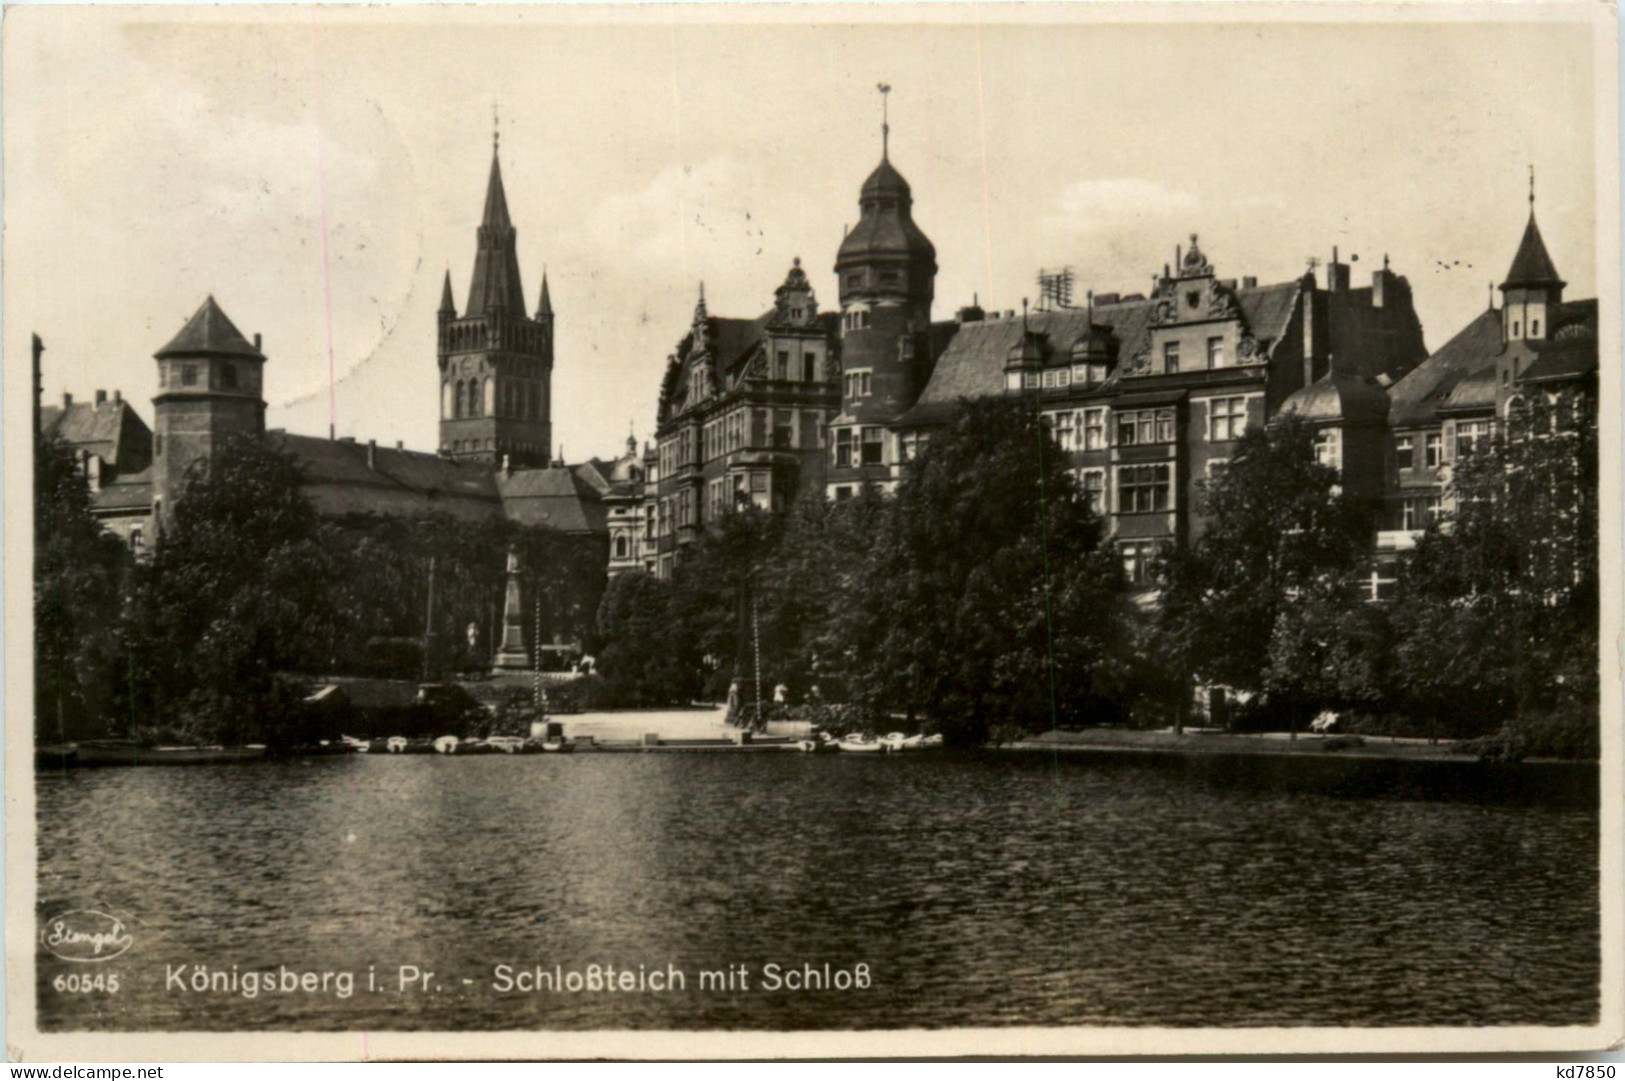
x=319, y=170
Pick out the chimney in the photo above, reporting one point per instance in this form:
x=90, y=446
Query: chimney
x=118, y=396
x=400, y=444
x=101, y=397
x=372, y=454
x=256, y=341
x=67, y=400
x=1249, y=282
x=1337, y=275
x=1379, y=283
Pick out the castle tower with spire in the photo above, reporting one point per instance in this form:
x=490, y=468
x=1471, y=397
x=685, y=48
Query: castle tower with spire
x=210, y=388
x=496, y=362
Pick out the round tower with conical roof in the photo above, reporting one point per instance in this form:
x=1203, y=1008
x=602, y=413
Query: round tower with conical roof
x=210, y=388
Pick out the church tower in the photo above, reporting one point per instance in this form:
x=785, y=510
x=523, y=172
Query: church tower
x=496, y=363
x=210, y=381
x=887, y=268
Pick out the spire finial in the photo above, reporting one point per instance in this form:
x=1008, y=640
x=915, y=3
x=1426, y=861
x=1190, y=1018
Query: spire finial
x=1531, y=188
x=1492, y=296
x=496, y=130
x=885, y=119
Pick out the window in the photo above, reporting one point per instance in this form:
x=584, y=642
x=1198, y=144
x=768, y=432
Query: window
x=1137, y=559
x=1216, y=468
x=649, y=522
x=1144, y=426
x=620, y=547
x=1143, y=489
x=1227, y=419
x=873, y=447
x=809, y=367
x=1094, y=490
x=189, y=375
x=1170, y=357
x=843, y=493
x=1405, y=450
x=781, y=369
x=137, y=540
x=1215, y=352
x=1534, y=328
x=843, y=448
x=1061, y=424
x=908, y=445
x=1470, y=436
x=1029, y=380
x=1328, y=448
x=1434, y=449
x=228, y=376
x=858, y=384
x=1094, y=429
x=784, y=429
x=1418, y=513
x=1057, y=377
x=855, y=281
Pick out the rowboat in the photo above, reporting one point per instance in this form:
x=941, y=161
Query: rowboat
x=446, y=745
x=506, y=744
x=395, y=745
x=857, y=744
x=557, y=745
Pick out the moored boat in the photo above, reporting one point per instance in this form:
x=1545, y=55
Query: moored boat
x=854, y=743
x=446, y=745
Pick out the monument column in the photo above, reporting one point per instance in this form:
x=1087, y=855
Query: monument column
x=511, y=655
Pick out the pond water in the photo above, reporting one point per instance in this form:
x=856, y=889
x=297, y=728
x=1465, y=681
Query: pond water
x=951, y=890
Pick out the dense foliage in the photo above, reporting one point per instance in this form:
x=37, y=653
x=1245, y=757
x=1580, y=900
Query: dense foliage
x=79, y=571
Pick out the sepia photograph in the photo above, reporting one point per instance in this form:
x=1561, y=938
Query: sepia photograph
x=788, y=531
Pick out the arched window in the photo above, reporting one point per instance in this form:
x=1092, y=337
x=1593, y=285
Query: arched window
x=462, y=402
x=446, y=402
x=620, y=546
x=490, y=396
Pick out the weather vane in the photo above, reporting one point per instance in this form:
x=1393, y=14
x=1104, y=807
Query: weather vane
x=885, y=117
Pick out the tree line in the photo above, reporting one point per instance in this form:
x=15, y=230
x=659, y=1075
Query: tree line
x=249, y=584
x=981, y=598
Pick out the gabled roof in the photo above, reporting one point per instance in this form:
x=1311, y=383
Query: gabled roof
x=339, y=480
x=209, y=333
x=557, y=498
x=1414, y=399
x=1532, y=266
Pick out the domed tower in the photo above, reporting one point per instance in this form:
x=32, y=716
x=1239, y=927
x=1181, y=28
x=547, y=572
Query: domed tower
x=887, y=270
x=210, y=381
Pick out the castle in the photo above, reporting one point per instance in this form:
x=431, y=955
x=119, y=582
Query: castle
x=495, y=366
x=1147, y=393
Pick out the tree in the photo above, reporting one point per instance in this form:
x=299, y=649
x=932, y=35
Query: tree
x=986, y=597
x=1499, y=602
x=238, y=590
x=643, y=662
x=1279, y=531
x=79, y=573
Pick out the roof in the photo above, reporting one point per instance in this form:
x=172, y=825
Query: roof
x=496, y=262
x=1532, y=265
x=209, y=333
x=339, y=480
x=1571, y=351
x=560, y=499
x=1338, y=396
x=91, y=426
x=885, y=230
x=131, y=492
x=1415, y=397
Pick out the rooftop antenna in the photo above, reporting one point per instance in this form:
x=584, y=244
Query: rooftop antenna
x=885, y=119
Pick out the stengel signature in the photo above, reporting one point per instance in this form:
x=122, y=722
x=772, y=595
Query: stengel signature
x=86, y=935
